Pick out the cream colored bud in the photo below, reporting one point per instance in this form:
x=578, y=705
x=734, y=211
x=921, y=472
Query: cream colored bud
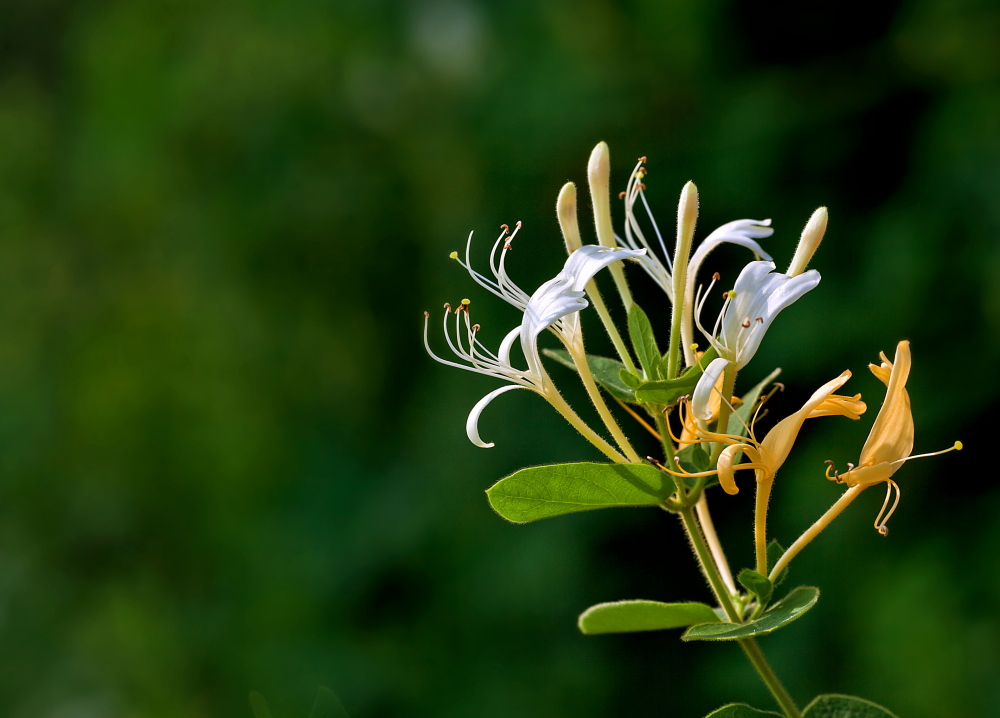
x=812, y=235
x=566, y=212
x=687, y=217
x=599, y=177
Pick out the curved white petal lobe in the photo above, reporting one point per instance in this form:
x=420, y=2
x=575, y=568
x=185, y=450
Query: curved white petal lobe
x=700, y=400
x=472, y=423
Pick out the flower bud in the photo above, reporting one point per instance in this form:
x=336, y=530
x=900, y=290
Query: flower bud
x=599, y=176
x=566, y=212
x=812, y=235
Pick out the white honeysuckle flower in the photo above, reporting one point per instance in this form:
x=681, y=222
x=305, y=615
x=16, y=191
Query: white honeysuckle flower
x=742, y=232
x=555, y=305
x=758, y=297
x=701, y=404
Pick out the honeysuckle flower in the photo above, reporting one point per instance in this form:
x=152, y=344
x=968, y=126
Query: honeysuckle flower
x=555, y=305
x=743, y=232
x=757, y=298
x=767, y=456
x=890, y=441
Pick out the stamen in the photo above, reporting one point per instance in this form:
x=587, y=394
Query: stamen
x=716, y=276
x=831, y=467
x=880, y=523
x=745, y=323
x=453, y=255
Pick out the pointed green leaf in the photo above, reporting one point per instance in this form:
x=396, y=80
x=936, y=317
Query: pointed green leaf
x=631, y=616
x=640, y=331
x=539, y=492
x=774, y=552
x=667, y=391
x=740, y=710
x=259, y=706
x=629, y=379
x=327, y=705
x=607, y=373
x=780, y=614
x=756, y=584
x=694, y=458
x=835, y=706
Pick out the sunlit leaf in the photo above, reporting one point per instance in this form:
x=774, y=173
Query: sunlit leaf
x=631, y=616
x=539, y=492
x=640, y=331
x=835, y=706
x=607, y=373
x=668, y=391
x=780, y=614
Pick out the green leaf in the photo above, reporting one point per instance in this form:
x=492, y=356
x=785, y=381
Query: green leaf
x=774, y=552
x=640, y=331
x=745, y=413
x=835, y=706
x=259, y=706
x=629, y=379
x=756, y=584
x=543, y=491
x=780, y=614
x=327, y=705
x=739, y=710
x=694, y=458
x=667, y=391
x=631, y=616
x=607, y=373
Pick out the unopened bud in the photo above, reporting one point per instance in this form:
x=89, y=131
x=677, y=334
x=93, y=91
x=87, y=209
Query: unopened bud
x=566, y=213
x=599, y=177
x=812, y=235
x=687, y=217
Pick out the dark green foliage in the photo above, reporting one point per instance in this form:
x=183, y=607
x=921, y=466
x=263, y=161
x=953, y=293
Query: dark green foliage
x=788, y=609
x=637, y=615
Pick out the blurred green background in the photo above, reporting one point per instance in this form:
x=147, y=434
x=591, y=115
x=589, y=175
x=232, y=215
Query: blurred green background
x=226, y=463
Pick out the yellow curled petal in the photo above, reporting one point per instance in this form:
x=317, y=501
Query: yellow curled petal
x=869, y=475
x=727, y=475
x=891, y=437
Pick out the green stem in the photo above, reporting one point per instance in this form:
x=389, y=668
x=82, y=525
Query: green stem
x=583, y=368
x=766, y=673
x=708, y=567
x=609, y=326
x=760, y=522
x=749, y=645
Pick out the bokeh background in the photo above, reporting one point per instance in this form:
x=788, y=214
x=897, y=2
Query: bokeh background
x=226, y=463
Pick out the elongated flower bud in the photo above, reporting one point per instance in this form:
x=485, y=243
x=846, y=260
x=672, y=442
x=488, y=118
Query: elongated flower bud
x=812, y=235
x=599, y=177
x=566, y=212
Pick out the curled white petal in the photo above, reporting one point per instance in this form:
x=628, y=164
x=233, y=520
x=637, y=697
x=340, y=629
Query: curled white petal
x=700, y=399
x=472, y=423
x=761, y=294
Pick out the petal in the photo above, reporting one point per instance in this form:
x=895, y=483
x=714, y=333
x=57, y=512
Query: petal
x=741, y=232
x=727, y=476
x=701, y=399
x=589, y=259
x=472, y=423
x=779, y=440
x=891, y=437
x=869, y=475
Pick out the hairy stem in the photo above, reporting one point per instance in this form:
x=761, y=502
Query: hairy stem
x=609, y=326
x=767, y=674
x=813, y=531
x=760, y=522
x=556, y=399
x=583, y=368
x=712, y=538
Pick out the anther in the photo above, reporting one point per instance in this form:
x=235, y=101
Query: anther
x=759, y=319
x=475, y=327
x=447, y=306
x=745, y=323
x=427, y=314
x=732, y=294
x=958, y=446
x=505, y=228
x=716, y=276
x=453, y=255
x=643, y=158
x=466, y=302
x=621, y=195
x=518, y=225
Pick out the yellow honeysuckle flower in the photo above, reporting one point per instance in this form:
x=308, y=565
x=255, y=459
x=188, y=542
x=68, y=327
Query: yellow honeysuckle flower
x=891, y=439
x=767, y=456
